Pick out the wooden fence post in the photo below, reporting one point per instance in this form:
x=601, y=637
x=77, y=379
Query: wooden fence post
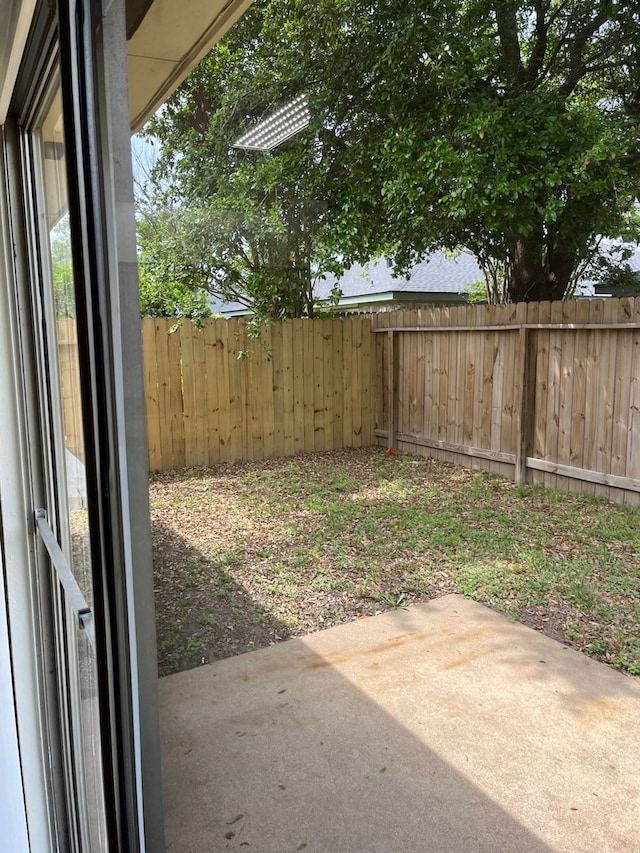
x=522, y=409
x=392, y=382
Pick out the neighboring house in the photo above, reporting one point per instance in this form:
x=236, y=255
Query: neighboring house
x=605, y=290
x=373, y=286
x=228, y=309
x=439, y=279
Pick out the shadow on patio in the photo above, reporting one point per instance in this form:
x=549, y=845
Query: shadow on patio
x=442, y=728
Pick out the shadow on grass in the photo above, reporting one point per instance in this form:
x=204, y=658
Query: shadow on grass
x=202, y=613
x=297, y=546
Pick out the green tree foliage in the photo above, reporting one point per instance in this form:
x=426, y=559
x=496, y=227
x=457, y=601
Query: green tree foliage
x=62, y=270
x=507, y=128
x=162, y=298
x=246, y=226
x=530, y=153
x=157, y=298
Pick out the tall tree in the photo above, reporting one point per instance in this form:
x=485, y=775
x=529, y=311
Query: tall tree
x=529, y=153
x=508, y=128
x=248, y=226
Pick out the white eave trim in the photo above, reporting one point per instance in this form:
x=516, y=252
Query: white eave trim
x=17, y=40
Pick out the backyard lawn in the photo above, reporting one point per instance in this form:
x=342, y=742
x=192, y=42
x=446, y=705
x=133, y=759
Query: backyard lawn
x=249, y=554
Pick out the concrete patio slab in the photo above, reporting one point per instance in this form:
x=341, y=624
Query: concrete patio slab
x=443, y=728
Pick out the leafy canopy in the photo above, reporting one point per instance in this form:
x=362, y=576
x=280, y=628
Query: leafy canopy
x=508, y=128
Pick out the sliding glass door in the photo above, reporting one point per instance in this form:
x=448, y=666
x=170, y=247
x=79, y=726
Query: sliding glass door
x=63, y=524
x=91, y=575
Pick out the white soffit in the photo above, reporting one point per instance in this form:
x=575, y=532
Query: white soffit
x=172, y=38
x=16, y=17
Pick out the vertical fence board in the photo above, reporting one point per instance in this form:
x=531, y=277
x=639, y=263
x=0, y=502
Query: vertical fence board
x=469, y=389
x=380, y=341
x=567, y=353
x=318, y=393
x=267, y=407
x=212, y=361
x=530, y=314
x=452, y=374
x=189, y=413
x=337, y=408
x=633, y=441
x=461, y=376
x=622, y=393
x=308, y=388
x=176, y=399
x=288, y=421
x=489, y=357
x=277, y=368
x=542, y=386
x=244, y=346
x=357, y=378
x=579, y=392
x=347, y=380
x=327, y=369
x=252, y=404
x=408, y=384
x=498, y=391
x=297, y=354
x=191, y=389
x=369, y=384
x=256, y=381
x=69, y=372
x=522, y=397
x=443, y=374
x=509, y=429
x=392, y=387
x=426, y=388
x=476, y=340
x=224, y=431
x=553, y=392
x=151, y=393
x=160, y=330
x=436, y=355
x=608, y=379
x=593, y=392
x=200, y=397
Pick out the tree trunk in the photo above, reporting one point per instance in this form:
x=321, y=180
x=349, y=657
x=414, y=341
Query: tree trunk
x=539, y=271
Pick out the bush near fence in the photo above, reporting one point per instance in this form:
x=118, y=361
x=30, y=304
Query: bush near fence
x=540, y=392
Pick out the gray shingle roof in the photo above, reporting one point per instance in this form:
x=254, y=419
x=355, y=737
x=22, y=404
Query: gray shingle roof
x=438, y=274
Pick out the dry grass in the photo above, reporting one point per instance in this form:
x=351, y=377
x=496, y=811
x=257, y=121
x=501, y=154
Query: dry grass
x=247, y=555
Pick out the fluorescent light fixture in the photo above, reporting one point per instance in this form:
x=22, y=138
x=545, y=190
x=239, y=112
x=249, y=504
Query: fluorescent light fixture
x=277, y=127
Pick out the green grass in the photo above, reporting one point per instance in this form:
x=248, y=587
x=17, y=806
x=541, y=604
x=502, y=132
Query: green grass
x=320, y=539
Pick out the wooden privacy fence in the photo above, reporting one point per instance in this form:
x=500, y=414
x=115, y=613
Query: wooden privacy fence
x=307, y=385
x=70, y=387
x=548, y=392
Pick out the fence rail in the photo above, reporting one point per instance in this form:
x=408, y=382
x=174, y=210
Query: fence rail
x=548, y=392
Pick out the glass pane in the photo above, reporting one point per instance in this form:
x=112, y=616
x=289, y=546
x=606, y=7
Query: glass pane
x=84, y=720
x=90, y=721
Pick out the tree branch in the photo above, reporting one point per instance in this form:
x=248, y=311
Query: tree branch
x=577, y=64
x=509, y=40
x=540, y=45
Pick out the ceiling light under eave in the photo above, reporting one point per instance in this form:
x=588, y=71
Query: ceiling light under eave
x=276, y=128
